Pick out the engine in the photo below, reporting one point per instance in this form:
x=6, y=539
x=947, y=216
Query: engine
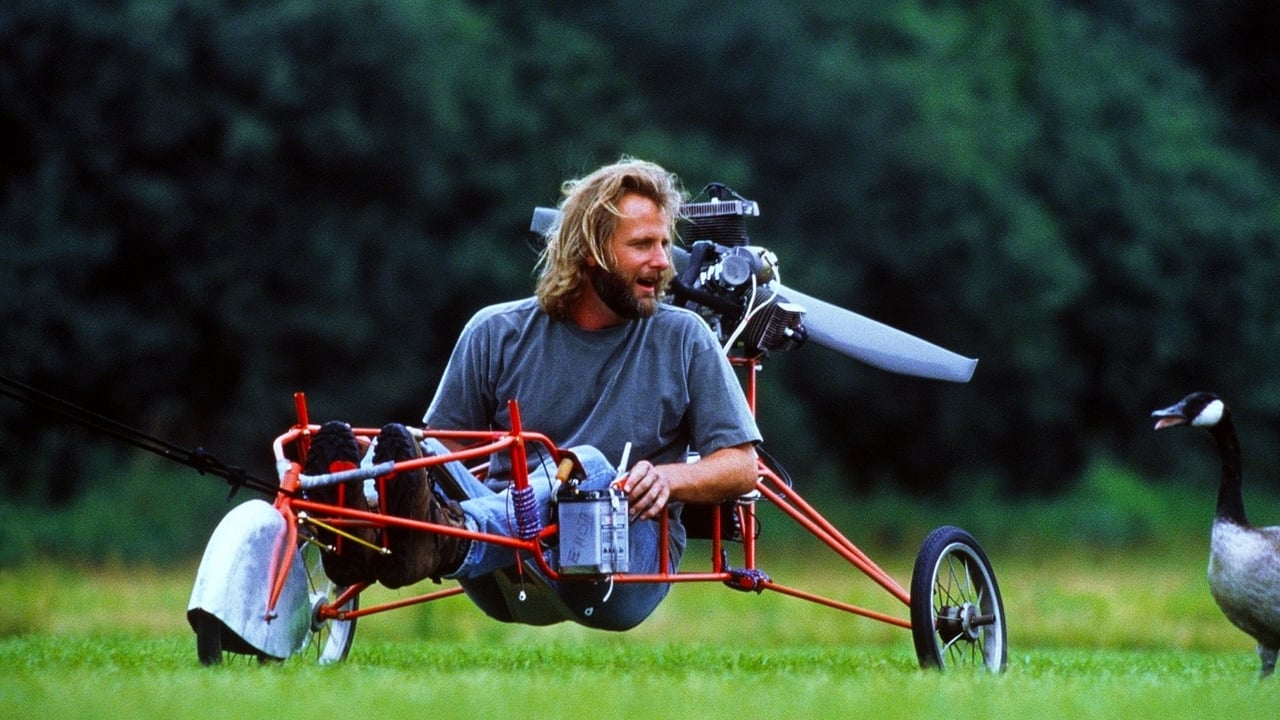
x=730, y=282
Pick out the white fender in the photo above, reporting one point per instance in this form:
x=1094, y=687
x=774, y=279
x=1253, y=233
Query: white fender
x=234, y=582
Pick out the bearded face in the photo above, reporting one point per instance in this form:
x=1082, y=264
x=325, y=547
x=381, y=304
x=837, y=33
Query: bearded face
x=631, y=295
x=638, y=259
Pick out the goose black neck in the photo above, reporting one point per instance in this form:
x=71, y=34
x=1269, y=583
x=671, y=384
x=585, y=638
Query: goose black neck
x=1230, y=501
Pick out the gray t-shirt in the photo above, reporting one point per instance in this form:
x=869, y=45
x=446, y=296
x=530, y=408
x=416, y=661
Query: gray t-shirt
x=661, y=383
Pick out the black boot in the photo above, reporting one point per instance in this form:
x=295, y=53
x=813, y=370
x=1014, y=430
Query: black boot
x=333, y=449
x=415, y=554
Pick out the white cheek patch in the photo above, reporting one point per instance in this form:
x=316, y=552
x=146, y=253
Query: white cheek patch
x=1210, y=415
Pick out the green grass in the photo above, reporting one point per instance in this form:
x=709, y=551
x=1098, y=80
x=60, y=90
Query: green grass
x=133, y=677
x=1095, y=633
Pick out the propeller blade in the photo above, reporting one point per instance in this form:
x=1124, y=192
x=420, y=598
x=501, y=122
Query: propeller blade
x=877, y=344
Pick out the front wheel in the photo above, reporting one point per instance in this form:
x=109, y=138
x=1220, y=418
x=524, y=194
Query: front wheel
x=957, y=616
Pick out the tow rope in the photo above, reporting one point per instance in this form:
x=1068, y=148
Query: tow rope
x=201, y=460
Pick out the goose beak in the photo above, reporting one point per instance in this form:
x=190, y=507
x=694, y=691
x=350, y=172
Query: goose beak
x=1169, y=417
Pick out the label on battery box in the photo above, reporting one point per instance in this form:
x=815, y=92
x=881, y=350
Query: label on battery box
x=593, y=532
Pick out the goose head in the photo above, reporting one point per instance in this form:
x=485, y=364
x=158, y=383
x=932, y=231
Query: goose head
x=1207, y=411
x=1199, y=409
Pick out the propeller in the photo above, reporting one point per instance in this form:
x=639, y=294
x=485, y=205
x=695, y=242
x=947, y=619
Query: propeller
x=877, y=344
x=845, y=331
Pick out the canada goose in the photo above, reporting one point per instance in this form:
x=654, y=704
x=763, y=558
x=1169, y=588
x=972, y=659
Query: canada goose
x=1244, y=561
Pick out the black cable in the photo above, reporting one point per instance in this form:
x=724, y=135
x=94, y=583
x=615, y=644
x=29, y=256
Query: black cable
x=199, y=459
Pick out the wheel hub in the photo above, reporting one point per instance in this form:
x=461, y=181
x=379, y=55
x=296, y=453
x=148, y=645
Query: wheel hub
x=957, y=622
x=318, y=618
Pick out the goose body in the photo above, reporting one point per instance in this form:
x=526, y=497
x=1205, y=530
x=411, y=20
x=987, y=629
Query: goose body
x=1244, y=566
x=1244, y=561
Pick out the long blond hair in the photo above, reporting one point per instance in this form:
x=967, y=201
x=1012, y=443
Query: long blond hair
x=588, y=218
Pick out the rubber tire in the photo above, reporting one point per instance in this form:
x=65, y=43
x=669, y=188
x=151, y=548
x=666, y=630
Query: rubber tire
x=937, y=588
x=208, y=639
x=214, y=638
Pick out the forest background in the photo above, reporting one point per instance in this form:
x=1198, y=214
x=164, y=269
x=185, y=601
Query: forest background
x=206, y=206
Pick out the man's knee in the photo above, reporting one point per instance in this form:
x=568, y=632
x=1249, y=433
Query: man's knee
x=598, y=469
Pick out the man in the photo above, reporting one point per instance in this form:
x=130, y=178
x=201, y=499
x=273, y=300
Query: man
x=595, y=361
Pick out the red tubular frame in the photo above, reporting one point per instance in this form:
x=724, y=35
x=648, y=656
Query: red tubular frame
x=481, y=444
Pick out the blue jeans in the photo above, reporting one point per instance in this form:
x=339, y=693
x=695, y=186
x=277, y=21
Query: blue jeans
x=514, y=591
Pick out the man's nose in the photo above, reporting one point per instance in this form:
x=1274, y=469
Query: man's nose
x=661, y=259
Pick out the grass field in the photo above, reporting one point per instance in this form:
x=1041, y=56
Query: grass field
x=1096, y=633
